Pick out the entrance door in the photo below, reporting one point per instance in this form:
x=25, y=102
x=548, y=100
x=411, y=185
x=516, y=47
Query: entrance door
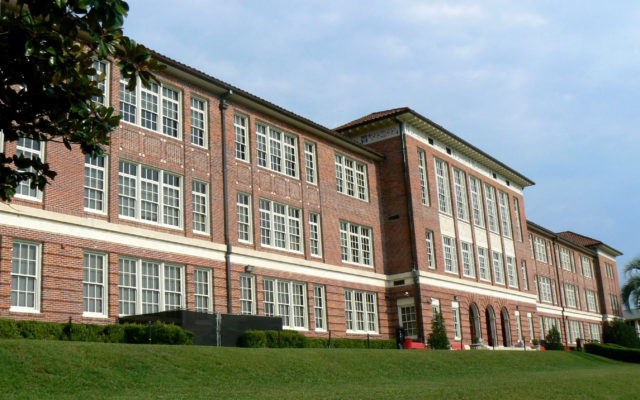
x=474, y=321
x=491, y=326
x=506, y=328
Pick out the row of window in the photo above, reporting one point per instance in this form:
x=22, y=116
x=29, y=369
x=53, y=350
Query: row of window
x=567, y=262
x=546, y=291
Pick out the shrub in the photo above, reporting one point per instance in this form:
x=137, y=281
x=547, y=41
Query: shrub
x=253, y=339
x=114, y=334
x=285, y=339
x=617, y=332
x=162, y=333
x=294, y=339
x=535, y=342
x=84, y=332
x=9, y=329
x=40, y=330
x=614, y=351
x=552, y=340
x=317, y=343
x=438, y=337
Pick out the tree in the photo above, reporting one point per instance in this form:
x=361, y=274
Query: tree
x=631, y=290
x=618, y=332
x=552, y=340
x=438, y=337
x=47, y=78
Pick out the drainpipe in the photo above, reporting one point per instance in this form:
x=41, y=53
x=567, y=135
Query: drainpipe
x=225, y=196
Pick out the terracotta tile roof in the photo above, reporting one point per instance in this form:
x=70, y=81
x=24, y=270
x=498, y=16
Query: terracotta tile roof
x=581, y=240
x=372, y=117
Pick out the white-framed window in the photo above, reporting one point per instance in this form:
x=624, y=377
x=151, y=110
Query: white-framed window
x=149, y=195
x=615, y=304
x=587, y=270
x=356, y=244
x=531, y=246
x=498, y=267
x=512, y=272
x=150, y=286
x=575, y=331
x=310, y=162
x=320, y=307
x=530, y=323
x=492, y=208
x=351, y=177
x=407, y=317
x=592, y=300
x=315, y=235
x=240, y=126
x=483, y=264
x=468, y=264
x=518, y=326
x=460, y=187
x=101, y=67
x=431, y=255
x=200, y=203
x=595, y=332
x=541, y=252
x=525, y=275
x=554, y=291
x=565, y=258
x=26, y=270
x=159, y=108
x=286, y=299
x=202, y=289
x=545, y=289
x=247, y=294
x=280, y=226
x=95, y=184
x=245, y=219
x=549, y=253
x=450, y=255
x=475, y=187
x=455, y=314
x=424, y=181
x=570, y=295
x=609, y=270
x=29, y=148
x=505, y=214
x=361, y=311
x=516, y=210
x=94, y=284
x=435, y=307
x=199, y=122
x=1, y=141
x=442, y=184
x=277, y=150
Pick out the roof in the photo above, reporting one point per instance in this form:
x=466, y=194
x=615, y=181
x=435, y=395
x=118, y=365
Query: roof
x=576, y=238
x=374, y=116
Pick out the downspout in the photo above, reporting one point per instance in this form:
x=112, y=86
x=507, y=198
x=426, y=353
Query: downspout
x=225, y=196
x=415, y=273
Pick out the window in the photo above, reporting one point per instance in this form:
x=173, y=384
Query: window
x=545, y=289
x=531, y=245
x=615, y=305
x=198, y=122
x=476, y=203
x=541, y=253
x=95, y=182
x=505, y=214
x=455, y=314
x=512, y=273
x=101, y=67
x=361, y=311
x=460, y=187
x=320, y=307
x=468, y=265
x=554, y=291
x=247, y=294
x=286, y=299
x=26, y=265
x=450, y=256
x=483, y=264
x=595, y=332
x=159, y=108
x=586, y=267
x=565, y=259
x=200, y=202
x=518, y=326
x=609, y=270
x=530, y=323
x=516, y=209
x=202, y=289
x=498, y=268
x=442, y=184
x=273, y=145
x=29, y=149
x=431, y=259
x=94, y=284
x=242, y=142
x=575, y=331
x=244, y=218
x=492, y=208
x=570, y=295
x=525, y=275
x=355, y=244
x=150, y=286
x=422, y=170
x=315, y=236
x=280, y=226
x=149, y=195
x=408, y=319
x=549, y=253
x=310, y=162
x=435, y=307
x=351, y=177
x=592, y=302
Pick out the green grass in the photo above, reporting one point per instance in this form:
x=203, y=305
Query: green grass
x=76, y=370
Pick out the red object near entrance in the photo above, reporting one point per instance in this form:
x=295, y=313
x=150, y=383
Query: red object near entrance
x=410, y=344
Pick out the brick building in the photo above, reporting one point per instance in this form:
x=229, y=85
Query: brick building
x=212, y=199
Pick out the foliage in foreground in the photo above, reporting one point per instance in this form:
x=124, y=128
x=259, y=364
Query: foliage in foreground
x=630, y=291
x=614, y=351
x=553, y=340
x=618, y=332
x=438, y=339
x=294, y=339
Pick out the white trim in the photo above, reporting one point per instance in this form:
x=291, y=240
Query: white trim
x=547, y=309
x=583, y=315
x=605, y=255
x=105, y=284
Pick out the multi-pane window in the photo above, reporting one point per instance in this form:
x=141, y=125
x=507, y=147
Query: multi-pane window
x=575, y=330
x=149, y=286
x=516, y=210
x=315, y=235
x=545, y=289
x=422, y=170
x=468, y=264
x=505, y=214
x=609, y=270
x=586, y=267
x=541, y=252
x=310, y=162
x=198, y=122
x=592, y=302
x=320, y=307
x=531, y=245
x=29, y=149
x=498, y=268
x=431, y=258
x=595, y=331
x=286, y=299
x=565, y=258
x=277, y=150
x=280, y=226
x=530, y=323
x=95, y=183
x=455, y=314
x=128, y=103
x=570, y=295
x=450, y=256
x=202, y=289
x=242, y=139
x=483, y=264
x=355, y=243
x=149, y=194
x=25, y=276
x=351, y=177
x=101, y=68
x=408, y=319
x=200, y=203
x=615, y=305
x=512, y=273
x=247, y=294
x=518, y=326
x=244, y=218
x=460, y=187
x=94, y=284
x=475, y=187
x=361, y=311
x=442, y=184
x=525, y=276
x=435, y=307
x=492, y=207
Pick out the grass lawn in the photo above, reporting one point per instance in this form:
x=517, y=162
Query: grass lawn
x=32, y=369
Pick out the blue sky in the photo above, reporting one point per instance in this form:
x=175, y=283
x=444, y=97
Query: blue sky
x=550, y=88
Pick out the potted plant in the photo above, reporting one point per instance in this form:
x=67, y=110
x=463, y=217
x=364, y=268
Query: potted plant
x=535, y=344
x=476, y=343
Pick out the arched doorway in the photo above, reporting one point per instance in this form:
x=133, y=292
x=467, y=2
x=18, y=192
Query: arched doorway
x=506, y=327
x=491, y=326
x=474, y=321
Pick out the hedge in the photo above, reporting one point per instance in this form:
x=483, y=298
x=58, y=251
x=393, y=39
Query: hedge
x=614, y=351
x=294, y=339
x=161, y=333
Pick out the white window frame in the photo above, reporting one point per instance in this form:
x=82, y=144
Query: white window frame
x=468, y=259
x=545, y=289
x=97, y=184
x=351, y=177
x=525, y=277
x=460, y=189
x=531, y=328
x=505, y=214
x=594, y=332
x=516, y=210
x=363, y=312
x=199, y=131
x=477, y=209
x=103, y=84
x=492, y=208
x=424, y=180
x=202, y=289
x=36, y=277
x=273, y=145
x=442, y=184
x=455, y=316
x=570, y=296
x=315, y=235
x=280, y=295
x=450, y=254
x=245, y=217
x=27, y=150
x=320, y=308
x=270, y=220
x=88, y=283
x=484, y=264
x=435, y=307
x=519, y=327
x=512, y=272
x=587, y=267
x=311, y=162
x=431, y=250
x=356, y=244
x=247, y=294
x=540, y=249
x=241, y=130
x=498, y=267
x=591, y=300
x=565, y=258
x=200, y=209
x=407, y=317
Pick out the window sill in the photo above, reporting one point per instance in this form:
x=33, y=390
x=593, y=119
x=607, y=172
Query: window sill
x=281, y=249
x=24, y=310
x=151, y=223
x=96, y=212
x=354, y=197
x=362, y=332
x=94, y=315
x=28, y=198
x=200, y=233
x=357, y=264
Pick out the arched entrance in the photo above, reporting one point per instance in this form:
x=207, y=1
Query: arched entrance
x=506, y=327
x=474, y=319
x=491, y=326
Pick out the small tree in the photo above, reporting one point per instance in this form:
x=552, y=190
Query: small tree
x=553, y=340
x=438, y=337
x=617, y=332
